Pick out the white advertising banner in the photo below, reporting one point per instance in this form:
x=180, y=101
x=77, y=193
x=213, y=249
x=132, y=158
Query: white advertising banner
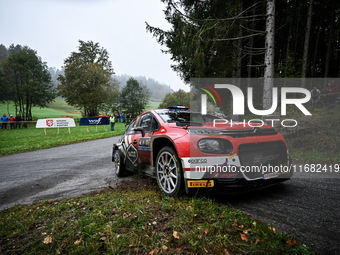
x=55, y=123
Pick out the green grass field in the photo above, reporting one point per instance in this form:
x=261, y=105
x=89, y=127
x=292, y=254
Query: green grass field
x=56, y=109
x=31, y=138
x=152, y=106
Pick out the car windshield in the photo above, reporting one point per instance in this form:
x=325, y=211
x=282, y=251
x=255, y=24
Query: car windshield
x=184, y=116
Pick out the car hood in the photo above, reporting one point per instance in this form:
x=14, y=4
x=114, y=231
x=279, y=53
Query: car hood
x=237, y=129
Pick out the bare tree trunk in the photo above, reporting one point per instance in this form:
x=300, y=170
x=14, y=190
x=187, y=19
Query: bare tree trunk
x=329, y=46
x=238, y=48
x=339, y=57
x=288, y=46
x=288, y=53
x=296, y=34
x=269, y=55
x=238, y=56
x=316, y=48
x=306, y=44
x=251, y=45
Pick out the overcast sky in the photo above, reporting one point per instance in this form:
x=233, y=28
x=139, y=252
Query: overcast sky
x=53, y=28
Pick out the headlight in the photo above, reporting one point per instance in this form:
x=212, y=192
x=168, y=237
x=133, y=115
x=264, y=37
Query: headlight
x=215, y=146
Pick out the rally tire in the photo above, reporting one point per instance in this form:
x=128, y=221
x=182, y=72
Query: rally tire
x=119, y=167
x=169, y=172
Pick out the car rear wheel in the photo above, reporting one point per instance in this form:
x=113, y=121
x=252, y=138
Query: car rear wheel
x=169, y=172
x=118, y=165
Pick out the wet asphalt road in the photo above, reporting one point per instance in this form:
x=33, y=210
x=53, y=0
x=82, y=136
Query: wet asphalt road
x=56, y=173
x=306, y=208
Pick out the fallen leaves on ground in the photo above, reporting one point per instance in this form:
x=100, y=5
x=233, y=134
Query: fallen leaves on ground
x=47, y=240
x=292, y=243
x=125, y=215
x=272, y=229
x=176, y=235
x=77, y=242
x=244, y=237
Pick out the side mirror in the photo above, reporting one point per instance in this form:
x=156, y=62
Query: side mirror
x=139, y=129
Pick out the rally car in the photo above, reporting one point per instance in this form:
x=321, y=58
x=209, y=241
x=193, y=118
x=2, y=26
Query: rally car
x=188, y=151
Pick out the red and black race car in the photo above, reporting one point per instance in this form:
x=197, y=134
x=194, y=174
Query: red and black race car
x=185, y=151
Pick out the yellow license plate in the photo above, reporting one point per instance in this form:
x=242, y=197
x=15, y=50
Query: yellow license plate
x=200, y=184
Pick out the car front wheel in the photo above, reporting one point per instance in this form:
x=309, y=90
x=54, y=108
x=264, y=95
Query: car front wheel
x=118, y=165
x=169, y=173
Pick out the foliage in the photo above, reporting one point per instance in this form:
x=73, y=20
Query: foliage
x=26, y=81
x=15, y=48
x=3, y=89
x=134, y=97
x=55, y=74
x=134, y=218
x=288, y=69
x=194, y=41
x=111, y=95
x=177, y=98
x=86, y=84
x=3, y=53
x=157, y=89
x=206, y=36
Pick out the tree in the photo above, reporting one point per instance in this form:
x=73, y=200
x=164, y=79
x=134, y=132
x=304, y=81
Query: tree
x=306, y=44
x=207, y=38
x=3, y=53
x=55, y=74
x=269, y=56
x=202, y=37
x=26, y=81
x=86, y=82
x=179, y=97
x=216, y=38
x=134, y=97
x=112, y=94
x=2, y=88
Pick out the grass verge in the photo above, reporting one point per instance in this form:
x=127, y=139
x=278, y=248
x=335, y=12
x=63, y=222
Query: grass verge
x=31, y=138
x=135, y=218
x=316, y=138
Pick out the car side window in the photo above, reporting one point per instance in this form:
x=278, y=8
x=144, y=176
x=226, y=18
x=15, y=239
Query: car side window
x=146, y=122
x=149, y=123
x=155, y=124
x=129, y=130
